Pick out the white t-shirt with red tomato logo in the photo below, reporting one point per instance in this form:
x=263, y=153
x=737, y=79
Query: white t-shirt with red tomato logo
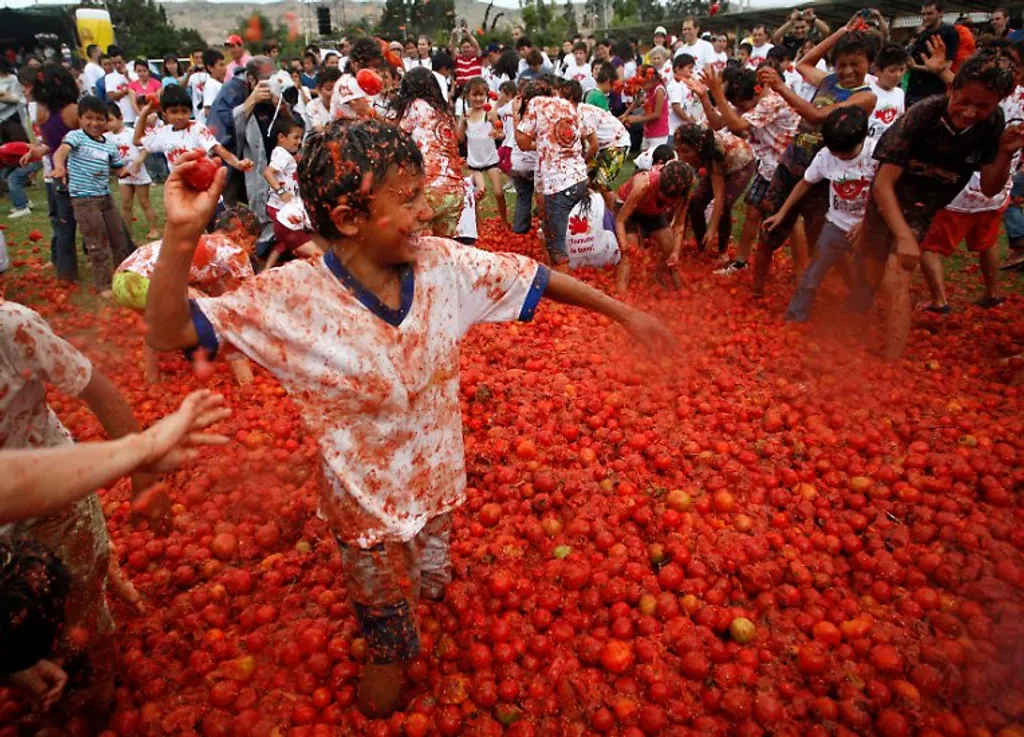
x=128, y=152
x=849, y=183
x=163, y=139
x=890, y=105
x=558, y=131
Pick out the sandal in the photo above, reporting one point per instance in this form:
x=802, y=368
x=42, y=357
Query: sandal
x=989, y=302
x=1014, y=261
x=939, y=309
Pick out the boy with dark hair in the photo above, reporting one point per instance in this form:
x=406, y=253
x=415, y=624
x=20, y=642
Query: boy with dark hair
x=975, y=219
x=846, y=163
x=388, y=392
x=180, y=134
x=743, y=52
x=852, y=52
x=927, y=157
x=761, y=116
x=318, y=110
x=604, y=81
x=684, y=105
x=890, y=66
x=216, y=70
x=85, y=159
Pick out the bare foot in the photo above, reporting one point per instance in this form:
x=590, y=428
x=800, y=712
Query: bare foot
x=379, y=689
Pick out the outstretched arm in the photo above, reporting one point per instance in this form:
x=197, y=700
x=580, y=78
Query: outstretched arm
x=39, y=481
x=643, y=327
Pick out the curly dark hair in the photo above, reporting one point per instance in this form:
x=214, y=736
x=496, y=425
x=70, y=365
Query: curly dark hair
x=676, y=178
x=239, y=217
x=346, y=162
x=57, y=89
x=995, y=69
x=536, y=88
x=507, y=64
x=364, y=52
x=700, y=139
x=858, y=42
x=741, y=85
x=34, y=586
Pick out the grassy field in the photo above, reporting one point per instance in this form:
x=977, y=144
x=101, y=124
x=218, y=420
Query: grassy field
x=961, y=267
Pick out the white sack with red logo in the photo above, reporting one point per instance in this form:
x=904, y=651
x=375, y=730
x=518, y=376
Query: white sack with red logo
x=590, y=237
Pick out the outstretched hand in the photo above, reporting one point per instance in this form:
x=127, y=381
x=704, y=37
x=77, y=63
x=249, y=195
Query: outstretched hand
x=649, y=331
x=187, y=210
x=175, y=439
x=936, y=60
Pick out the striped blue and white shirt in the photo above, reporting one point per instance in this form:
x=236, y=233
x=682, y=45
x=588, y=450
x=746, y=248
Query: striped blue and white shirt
x=89, y=164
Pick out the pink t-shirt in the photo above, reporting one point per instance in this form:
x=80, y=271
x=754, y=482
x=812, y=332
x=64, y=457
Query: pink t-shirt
x=657, y=128
x=151, y=90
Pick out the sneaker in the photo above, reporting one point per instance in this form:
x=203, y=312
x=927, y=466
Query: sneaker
x=731, y=268
x=20, y=213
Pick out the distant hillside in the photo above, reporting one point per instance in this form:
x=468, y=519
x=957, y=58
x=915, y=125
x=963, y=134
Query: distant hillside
x=216, y=20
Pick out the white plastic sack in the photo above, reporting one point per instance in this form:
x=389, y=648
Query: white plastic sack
x=590, y=237
x=467, y=220
x=5, y=261
x=293, y=215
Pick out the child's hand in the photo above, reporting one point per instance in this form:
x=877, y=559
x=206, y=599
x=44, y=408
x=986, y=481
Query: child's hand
x=44, y=682
x=696, y=86
x=189, y=210
x=287, y=197
x=771, y=223
x=1012, y=139
x=712, y=80
x=649, y=331
x=769, y=77
x=908, y=252
x=245, y=165
x=58, y=172
x=175, y=439
x=124, y=172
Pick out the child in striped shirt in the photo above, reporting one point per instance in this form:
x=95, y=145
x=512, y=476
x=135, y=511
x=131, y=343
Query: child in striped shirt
x=85, y=159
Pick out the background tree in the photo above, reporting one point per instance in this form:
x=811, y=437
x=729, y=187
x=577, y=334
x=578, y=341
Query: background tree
x=394, y=19
x=143, y=30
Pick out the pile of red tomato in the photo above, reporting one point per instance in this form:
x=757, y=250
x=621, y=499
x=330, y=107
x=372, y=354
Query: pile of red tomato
x=767, y=531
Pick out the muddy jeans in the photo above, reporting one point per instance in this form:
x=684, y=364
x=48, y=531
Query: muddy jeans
x=557, y=207
x=385, y=581
x=105, y=237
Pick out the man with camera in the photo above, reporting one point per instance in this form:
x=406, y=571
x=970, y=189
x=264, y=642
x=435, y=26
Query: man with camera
x=801, y=25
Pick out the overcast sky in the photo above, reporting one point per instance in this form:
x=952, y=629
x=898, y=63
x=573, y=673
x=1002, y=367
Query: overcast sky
x=499, y=3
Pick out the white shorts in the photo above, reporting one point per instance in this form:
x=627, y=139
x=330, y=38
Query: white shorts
x=141, y=179
x=649, y=144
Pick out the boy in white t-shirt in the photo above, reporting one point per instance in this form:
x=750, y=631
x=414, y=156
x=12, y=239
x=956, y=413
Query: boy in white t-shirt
x=318, y=111
x=890, y=66
x=217, y=69
x=366, y=341
x=282, y=174
x=847, y=163
x=180, y=134
x=684, y=105
x=577, y=67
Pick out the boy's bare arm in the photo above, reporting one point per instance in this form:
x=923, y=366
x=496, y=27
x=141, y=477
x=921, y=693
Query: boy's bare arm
x=645, y=328
x=187, y=211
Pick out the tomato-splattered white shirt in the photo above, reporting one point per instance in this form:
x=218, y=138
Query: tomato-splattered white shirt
x=129, y=152
x=378, y=386
x=434, y=134
x=558, y=131
x=163, y=139
x=317, y=115
x=30, y=357
x=773, y=124
x=219, y=264
x=346, y=91
x=286, y=169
